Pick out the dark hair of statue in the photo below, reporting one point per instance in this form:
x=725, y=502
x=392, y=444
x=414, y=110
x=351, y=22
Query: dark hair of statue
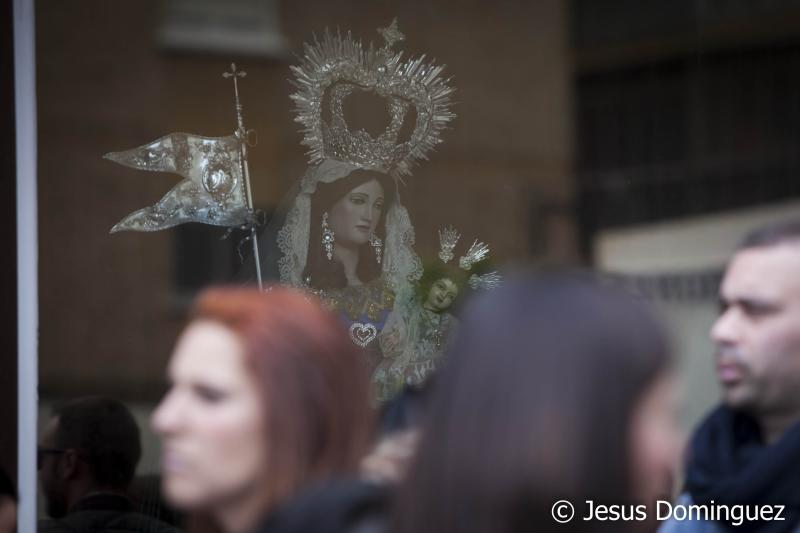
x=329, y=274
x=436, y=270
x=533, y=404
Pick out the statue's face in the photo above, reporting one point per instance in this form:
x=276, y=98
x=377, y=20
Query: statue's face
x=355, y=216
x=441, y=295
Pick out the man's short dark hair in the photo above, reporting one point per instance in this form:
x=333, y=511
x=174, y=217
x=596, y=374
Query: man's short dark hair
x=106, y=435
x=772, y=234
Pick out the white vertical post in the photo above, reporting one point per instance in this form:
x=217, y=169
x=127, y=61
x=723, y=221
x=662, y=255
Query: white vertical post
x=27, y=261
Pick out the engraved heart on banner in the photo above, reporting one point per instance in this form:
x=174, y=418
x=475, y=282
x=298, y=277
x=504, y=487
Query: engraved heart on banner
x=363, y=334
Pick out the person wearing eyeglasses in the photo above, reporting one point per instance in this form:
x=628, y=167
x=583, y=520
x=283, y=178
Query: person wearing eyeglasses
x=87, y=457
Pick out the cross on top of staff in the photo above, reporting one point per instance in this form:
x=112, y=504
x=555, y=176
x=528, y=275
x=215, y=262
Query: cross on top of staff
x=234, y=73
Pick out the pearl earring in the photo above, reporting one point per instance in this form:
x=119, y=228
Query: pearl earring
x=328, y=237
x=377, y=244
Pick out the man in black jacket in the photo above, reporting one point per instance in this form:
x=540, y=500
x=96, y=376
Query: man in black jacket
x=87, y=456
x=744, y=459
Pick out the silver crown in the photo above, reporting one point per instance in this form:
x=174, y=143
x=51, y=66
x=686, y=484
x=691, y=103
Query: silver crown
x=448, y=238
x=337, y=66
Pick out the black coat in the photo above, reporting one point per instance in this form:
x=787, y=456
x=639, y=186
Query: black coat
x=105, y=513
x=342, y=506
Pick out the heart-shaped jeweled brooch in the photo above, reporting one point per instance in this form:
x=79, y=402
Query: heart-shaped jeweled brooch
x=363, y=334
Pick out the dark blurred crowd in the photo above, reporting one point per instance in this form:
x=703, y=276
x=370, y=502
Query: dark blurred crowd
x=555, y=410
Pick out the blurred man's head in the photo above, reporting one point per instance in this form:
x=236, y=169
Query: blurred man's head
x=757, y=334
x=88, y=445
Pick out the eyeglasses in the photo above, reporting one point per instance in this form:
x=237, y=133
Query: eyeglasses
x=41, y=452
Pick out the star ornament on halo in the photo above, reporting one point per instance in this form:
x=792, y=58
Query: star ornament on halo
x=391, y=34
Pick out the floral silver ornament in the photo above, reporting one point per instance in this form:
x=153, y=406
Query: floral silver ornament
x=476, y=253
x=211, y=193
x=338, y=66
x=448, y=238
x=490, y=280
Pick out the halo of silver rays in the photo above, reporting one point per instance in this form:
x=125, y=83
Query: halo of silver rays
x=339, y=59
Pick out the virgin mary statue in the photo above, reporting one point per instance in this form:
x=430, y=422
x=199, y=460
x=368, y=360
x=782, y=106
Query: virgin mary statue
x=343, y=232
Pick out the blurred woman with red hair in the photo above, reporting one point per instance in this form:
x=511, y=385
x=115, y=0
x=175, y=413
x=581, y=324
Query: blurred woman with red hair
x=268, y=396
